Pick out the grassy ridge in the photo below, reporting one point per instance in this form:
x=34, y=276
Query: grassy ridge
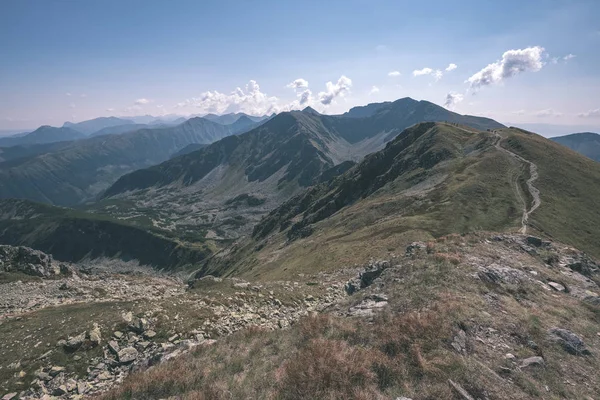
x=570, y=188
x=432, y=180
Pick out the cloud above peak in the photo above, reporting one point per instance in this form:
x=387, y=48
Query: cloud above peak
x=141, y=102
x=451, y=67
x=394, y=73
x=333, y=90
x=250, y=100
x=298, y=84
x=513, y=62
x=452, y=99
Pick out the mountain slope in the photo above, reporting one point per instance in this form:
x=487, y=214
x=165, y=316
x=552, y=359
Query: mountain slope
x=586, y=143
x=42, y=135
x=96, y=124
x=81, y=171
x=271, y=163
x=74, y=236
x=118, y=129
x=432, y=180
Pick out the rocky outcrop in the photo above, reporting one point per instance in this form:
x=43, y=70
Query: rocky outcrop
x=569, y=341
x=30, y=262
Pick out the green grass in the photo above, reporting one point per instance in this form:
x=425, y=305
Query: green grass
x=570, y=189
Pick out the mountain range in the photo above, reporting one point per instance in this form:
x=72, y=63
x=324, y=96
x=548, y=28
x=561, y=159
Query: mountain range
x=432, y=180
x=84, y=168
x=225, y=188
x=42, y=135
x=203, y=182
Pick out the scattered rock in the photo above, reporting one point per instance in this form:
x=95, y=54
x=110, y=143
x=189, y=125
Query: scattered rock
x=9, y=396
x=497, y=274
x=459, y=343
x=54, y=371
x=509, y=356
x=557, y=286
x=367, y=276
x=95, y=336
x=534, y=241
x=114, y=347
x=75, y=342
x=82, y=388
x=149, y=334
x=572, y=343
x=127, y=355
x=533, y=362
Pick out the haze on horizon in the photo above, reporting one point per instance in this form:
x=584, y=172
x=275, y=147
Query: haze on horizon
x=520, y=62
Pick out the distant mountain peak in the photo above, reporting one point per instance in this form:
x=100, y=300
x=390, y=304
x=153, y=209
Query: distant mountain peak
x=310, y=110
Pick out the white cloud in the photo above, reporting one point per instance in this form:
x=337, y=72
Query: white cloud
x=394, y=73
x=83, y=95
x=249, y=100
x=436, y=74
x=452, y=99
x=590, y=114
x=548, y=113
x=569, y=57
x=142, y=101
x=519, y=112
x=110, y=109
x=424, y=71
x=72, y=105
x=334, y=90
x=298, y=84
x=67, y=94
x=513, y=62
x=374, y=90
x=305, y=98
x=451, y=67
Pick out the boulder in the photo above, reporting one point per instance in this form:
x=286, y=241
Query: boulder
x=127, y=355
x=533, y=362
x=569, y=341
x=95, y=336
x=534, y=241
x=557, y=286
x=75, y=342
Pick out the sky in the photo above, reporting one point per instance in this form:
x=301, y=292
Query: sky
x=532, y=61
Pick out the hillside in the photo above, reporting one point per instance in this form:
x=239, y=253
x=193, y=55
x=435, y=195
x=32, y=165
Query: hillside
x=18, y=154
x=432, y=180
x=93, y=125
x=81, y=171
x=586, y=143
x=118, y=129
x=42, y=135
x=73, y=236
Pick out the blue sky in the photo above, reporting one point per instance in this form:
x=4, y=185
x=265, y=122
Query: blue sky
x=516, y=61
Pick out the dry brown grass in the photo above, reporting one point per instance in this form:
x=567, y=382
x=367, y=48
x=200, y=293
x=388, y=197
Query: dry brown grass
x=323, y=357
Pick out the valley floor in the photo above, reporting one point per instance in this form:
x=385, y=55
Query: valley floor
x=481, y=316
